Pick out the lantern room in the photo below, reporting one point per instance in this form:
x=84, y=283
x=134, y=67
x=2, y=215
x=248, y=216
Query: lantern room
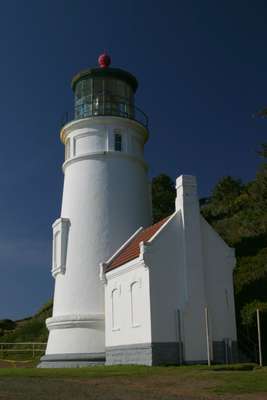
x=106, y=91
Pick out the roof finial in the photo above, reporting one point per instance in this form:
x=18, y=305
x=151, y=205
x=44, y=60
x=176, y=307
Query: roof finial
x=104, y=60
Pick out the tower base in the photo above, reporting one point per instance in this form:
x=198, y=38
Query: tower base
x=72, y=360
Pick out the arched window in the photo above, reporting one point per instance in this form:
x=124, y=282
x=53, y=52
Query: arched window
x=115, y=309
x=135, y=304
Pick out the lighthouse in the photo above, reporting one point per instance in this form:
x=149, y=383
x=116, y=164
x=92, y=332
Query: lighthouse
x=106, y=197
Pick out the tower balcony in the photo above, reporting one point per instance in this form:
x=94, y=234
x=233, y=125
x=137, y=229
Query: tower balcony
x=105, y=107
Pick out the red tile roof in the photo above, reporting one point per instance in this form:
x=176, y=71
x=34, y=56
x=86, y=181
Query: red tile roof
x=131, y=250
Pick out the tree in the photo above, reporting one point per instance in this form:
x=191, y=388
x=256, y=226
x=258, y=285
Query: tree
x=225, y=200
x=227, y=190
x=163, y=197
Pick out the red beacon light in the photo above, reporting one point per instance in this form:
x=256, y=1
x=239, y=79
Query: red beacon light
x=104, y=60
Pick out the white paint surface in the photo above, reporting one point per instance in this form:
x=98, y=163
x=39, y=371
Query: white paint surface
x=186, y=266
x=219, y=264
x=105, y=198
x=133, y=305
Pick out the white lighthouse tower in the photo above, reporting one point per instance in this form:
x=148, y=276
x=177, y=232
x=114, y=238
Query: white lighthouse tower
x=105, y=199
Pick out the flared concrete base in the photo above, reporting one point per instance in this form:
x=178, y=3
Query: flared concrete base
x=71, y=360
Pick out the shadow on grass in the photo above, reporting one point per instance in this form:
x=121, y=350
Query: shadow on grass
x=235, y=367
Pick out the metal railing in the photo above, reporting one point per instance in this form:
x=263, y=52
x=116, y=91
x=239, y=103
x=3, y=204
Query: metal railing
x=22, y=347
x=103, y=108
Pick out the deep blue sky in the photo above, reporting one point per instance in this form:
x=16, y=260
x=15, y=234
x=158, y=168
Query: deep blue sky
x=201, y=67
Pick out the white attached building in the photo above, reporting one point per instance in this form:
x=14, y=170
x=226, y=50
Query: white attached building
x=151, y=308
x=158, y=284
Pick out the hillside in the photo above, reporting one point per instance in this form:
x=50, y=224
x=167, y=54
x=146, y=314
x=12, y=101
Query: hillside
x=30, y=329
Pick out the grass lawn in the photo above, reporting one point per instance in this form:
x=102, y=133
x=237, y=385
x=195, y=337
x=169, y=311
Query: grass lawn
x=134, y=383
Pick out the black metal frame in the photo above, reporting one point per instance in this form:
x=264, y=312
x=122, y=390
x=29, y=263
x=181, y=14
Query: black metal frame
x=99, y=107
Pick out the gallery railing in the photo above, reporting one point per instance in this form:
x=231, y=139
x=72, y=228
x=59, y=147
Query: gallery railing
x=103, y=108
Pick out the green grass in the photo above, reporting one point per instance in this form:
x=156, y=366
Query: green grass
x=92, y=372
x=242, y=382
x=133, y=382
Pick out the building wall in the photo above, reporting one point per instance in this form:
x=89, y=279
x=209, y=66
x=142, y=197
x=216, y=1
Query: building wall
x=155, y=338
x=219, y=261
x=164, y=258
x=127, y=305
x=184, y=268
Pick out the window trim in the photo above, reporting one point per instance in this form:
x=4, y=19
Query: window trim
x=114, y=322
x=67, y=149
x=134, y=324
x=60, y=244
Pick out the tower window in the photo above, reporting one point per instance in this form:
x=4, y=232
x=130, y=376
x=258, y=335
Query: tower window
x=118, y=142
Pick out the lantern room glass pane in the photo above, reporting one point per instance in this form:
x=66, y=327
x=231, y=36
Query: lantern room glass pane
x=103, y=96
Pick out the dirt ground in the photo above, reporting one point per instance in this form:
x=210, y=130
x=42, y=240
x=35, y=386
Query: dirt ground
x=166, y=387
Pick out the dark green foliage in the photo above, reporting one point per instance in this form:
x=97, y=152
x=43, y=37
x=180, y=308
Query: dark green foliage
x=250, y=269
x=30, y=329
x=225, y=199
x=227, y=190
x=7, y=324
x=239, y=214
x=248, y=313
x=163, y=197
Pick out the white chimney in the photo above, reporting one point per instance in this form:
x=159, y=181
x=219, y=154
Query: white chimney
x=188, y=204
x=186, y=189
